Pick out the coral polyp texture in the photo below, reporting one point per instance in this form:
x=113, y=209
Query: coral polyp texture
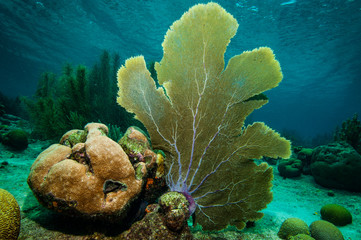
x=87, y=175
x=9, y=216
x=196, y=117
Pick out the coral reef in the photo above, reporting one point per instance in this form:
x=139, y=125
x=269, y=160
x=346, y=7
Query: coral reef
x=336, y=214
x=93, y=179
x=9, y=216
x=196, y=117
x=350, y=132
x=337, y=165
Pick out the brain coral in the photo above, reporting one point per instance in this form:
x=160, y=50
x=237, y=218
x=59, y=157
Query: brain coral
x=93, y=178
x=9, y=216
x=336, y=214
x=301, y=237
x=323, y=230
x=292, y=227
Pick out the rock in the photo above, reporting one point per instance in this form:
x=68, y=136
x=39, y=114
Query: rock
x=337, y=165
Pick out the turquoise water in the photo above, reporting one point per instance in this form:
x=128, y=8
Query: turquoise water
x=316, y=42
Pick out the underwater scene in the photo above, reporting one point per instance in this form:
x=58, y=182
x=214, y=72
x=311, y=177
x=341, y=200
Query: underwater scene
x=226, y=120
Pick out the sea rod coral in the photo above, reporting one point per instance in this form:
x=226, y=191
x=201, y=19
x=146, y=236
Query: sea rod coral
x=197, y=117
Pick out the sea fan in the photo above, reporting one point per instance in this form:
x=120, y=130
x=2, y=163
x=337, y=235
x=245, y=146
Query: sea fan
x=197, y=114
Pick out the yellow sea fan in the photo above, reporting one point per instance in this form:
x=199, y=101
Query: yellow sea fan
x=197, y=116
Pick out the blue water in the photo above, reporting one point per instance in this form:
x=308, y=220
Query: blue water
x=316, y=42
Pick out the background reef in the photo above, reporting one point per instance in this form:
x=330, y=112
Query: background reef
x=78, y=96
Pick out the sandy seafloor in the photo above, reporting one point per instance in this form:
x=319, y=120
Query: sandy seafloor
x=299, y=197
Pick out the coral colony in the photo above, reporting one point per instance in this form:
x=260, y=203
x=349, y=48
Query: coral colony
x=197, y=117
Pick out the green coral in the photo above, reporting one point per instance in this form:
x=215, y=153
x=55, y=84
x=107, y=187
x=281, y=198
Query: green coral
x=173, y=200
x=292, y=227
x=139, y=171
x=74, y=137
x=132, y=146
x=336, y=214
x=9, y=216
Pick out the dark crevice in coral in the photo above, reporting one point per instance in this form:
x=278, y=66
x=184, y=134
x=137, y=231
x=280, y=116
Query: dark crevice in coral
x=113, y=186
x=82, y=157
x=86, y=161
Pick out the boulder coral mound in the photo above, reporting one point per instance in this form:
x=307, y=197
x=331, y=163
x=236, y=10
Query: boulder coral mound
x=17, y=139
x=337, y=165
x=290, y=168
x=87, y=175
